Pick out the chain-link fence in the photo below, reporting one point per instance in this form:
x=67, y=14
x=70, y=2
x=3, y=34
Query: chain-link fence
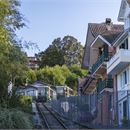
x=104, y=110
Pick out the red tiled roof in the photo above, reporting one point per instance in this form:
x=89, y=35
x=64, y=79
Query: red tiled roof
x=101, y=29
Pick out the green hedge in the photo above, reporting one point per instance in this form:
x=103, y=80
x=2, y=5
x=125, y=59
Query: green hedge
x=14, y=119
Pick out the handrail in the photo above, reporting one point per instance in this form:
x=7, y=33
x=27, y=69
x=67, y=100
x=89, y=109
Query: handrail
x=108, y=83
x=101, y=59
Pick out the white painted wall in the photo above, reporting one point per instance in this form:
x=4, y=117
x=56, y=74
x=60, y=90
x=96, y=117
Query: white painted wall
x=127, y=86
x=120, y=111
x=126, y=17
x=28, y=92
x=122, y=95
x=129, y=106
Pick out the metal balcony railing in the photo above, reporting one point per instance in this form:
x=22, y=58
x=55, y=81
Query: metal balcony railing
x=108, y=83
x=101, y=59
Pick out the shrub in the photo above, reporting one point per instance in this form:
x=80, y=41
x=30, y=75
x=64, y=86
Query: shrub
x=14, y=119
x=25, y=104
x=20, y=102
x=26, y=100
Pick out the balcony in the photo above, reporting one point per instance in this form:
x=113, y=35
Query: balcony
x=106, y=84
x=118, y=62
x=103, y=58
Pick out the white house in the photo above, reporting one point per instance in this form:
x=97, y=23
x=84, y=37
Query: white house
x=28, y=91
x=64, y=91
x=38, y=89
x=119, y=65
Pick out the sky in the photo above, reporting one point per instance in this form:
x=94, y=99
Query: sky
x=50, y=19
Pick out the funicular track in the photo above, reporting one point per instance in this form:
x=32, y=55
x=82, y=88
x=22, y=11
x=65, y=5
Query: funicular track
x=49, y=119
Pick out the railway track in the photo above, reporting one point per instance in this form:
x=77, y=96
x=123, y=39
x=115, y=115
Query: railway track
x=50, y=120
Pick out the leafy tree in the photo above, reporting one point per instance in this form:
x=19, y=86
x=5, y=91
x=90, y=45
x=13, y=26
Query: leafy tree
x=51, y=75
x=52, y=56
x=66, y=51
x=73, y=51
x=72, y=81
x=31, y=76
x=12, y=58
x=78, y=71
x=58, y=76
x=61, y=75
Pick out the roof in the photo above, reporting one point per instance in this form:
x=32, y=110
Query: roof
x=27, y=87
x=38, y=85
x=101, y=29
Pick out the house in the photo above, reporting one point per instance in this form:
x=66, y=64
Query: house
x=33, y=63
x=28, y=91
x=63, y=91
x=99, y=84
x=107, y=57
x=119, y=65
x=45, y=90
x=38, y=89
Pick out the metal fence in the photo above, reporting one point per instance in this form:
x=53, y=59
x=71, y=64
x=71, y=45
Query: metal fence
x=104, y=110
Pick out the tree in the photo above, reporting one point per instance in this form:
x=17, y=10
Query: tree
x=73, y=51
x=78, y=71
x=66, y=51
x=52, y=56
x=12, y=58
x=61, y=75
x=31, y=76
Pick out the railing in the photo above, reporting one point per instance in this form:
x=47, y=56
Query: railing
x=122, y=55
x=102, y=58
x=108, y=83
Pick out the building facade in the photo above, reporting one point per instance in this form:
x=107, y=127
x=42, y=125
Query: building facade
x=63, y=91
x=107, y=57
x=33, y=63
x=119, y=65
x=37, y=90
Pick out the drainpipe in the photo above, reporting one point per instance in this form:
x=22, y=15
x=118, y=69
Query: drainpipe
x=117, y=112
x=128, y=103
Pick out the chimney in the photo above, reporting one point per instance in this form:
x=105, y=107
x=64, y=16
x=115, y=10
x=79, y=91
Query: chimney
x=108, y=24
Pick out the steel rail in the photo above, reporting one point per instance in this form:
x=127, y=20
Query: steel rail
x=57, y=118
x=43, y=116
x=87, y=127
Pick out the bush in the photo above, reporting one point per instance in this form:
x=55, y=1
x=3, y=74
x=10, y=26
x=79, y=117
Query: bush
x=26, y=100
x=25, y=104
x=14, y=119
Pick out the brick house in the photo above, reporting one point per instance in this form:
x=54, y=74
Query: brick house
x=107, y=57
x=98, y=50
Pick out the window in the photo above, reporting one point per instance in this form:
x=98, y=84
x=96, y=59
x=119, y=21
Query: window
x=124, y=45
x=125, y=109
x=124, y=78
x=120, y=108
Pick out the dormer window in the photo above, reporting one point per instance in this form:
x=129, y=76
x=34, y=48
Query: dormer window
x=124, y=45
